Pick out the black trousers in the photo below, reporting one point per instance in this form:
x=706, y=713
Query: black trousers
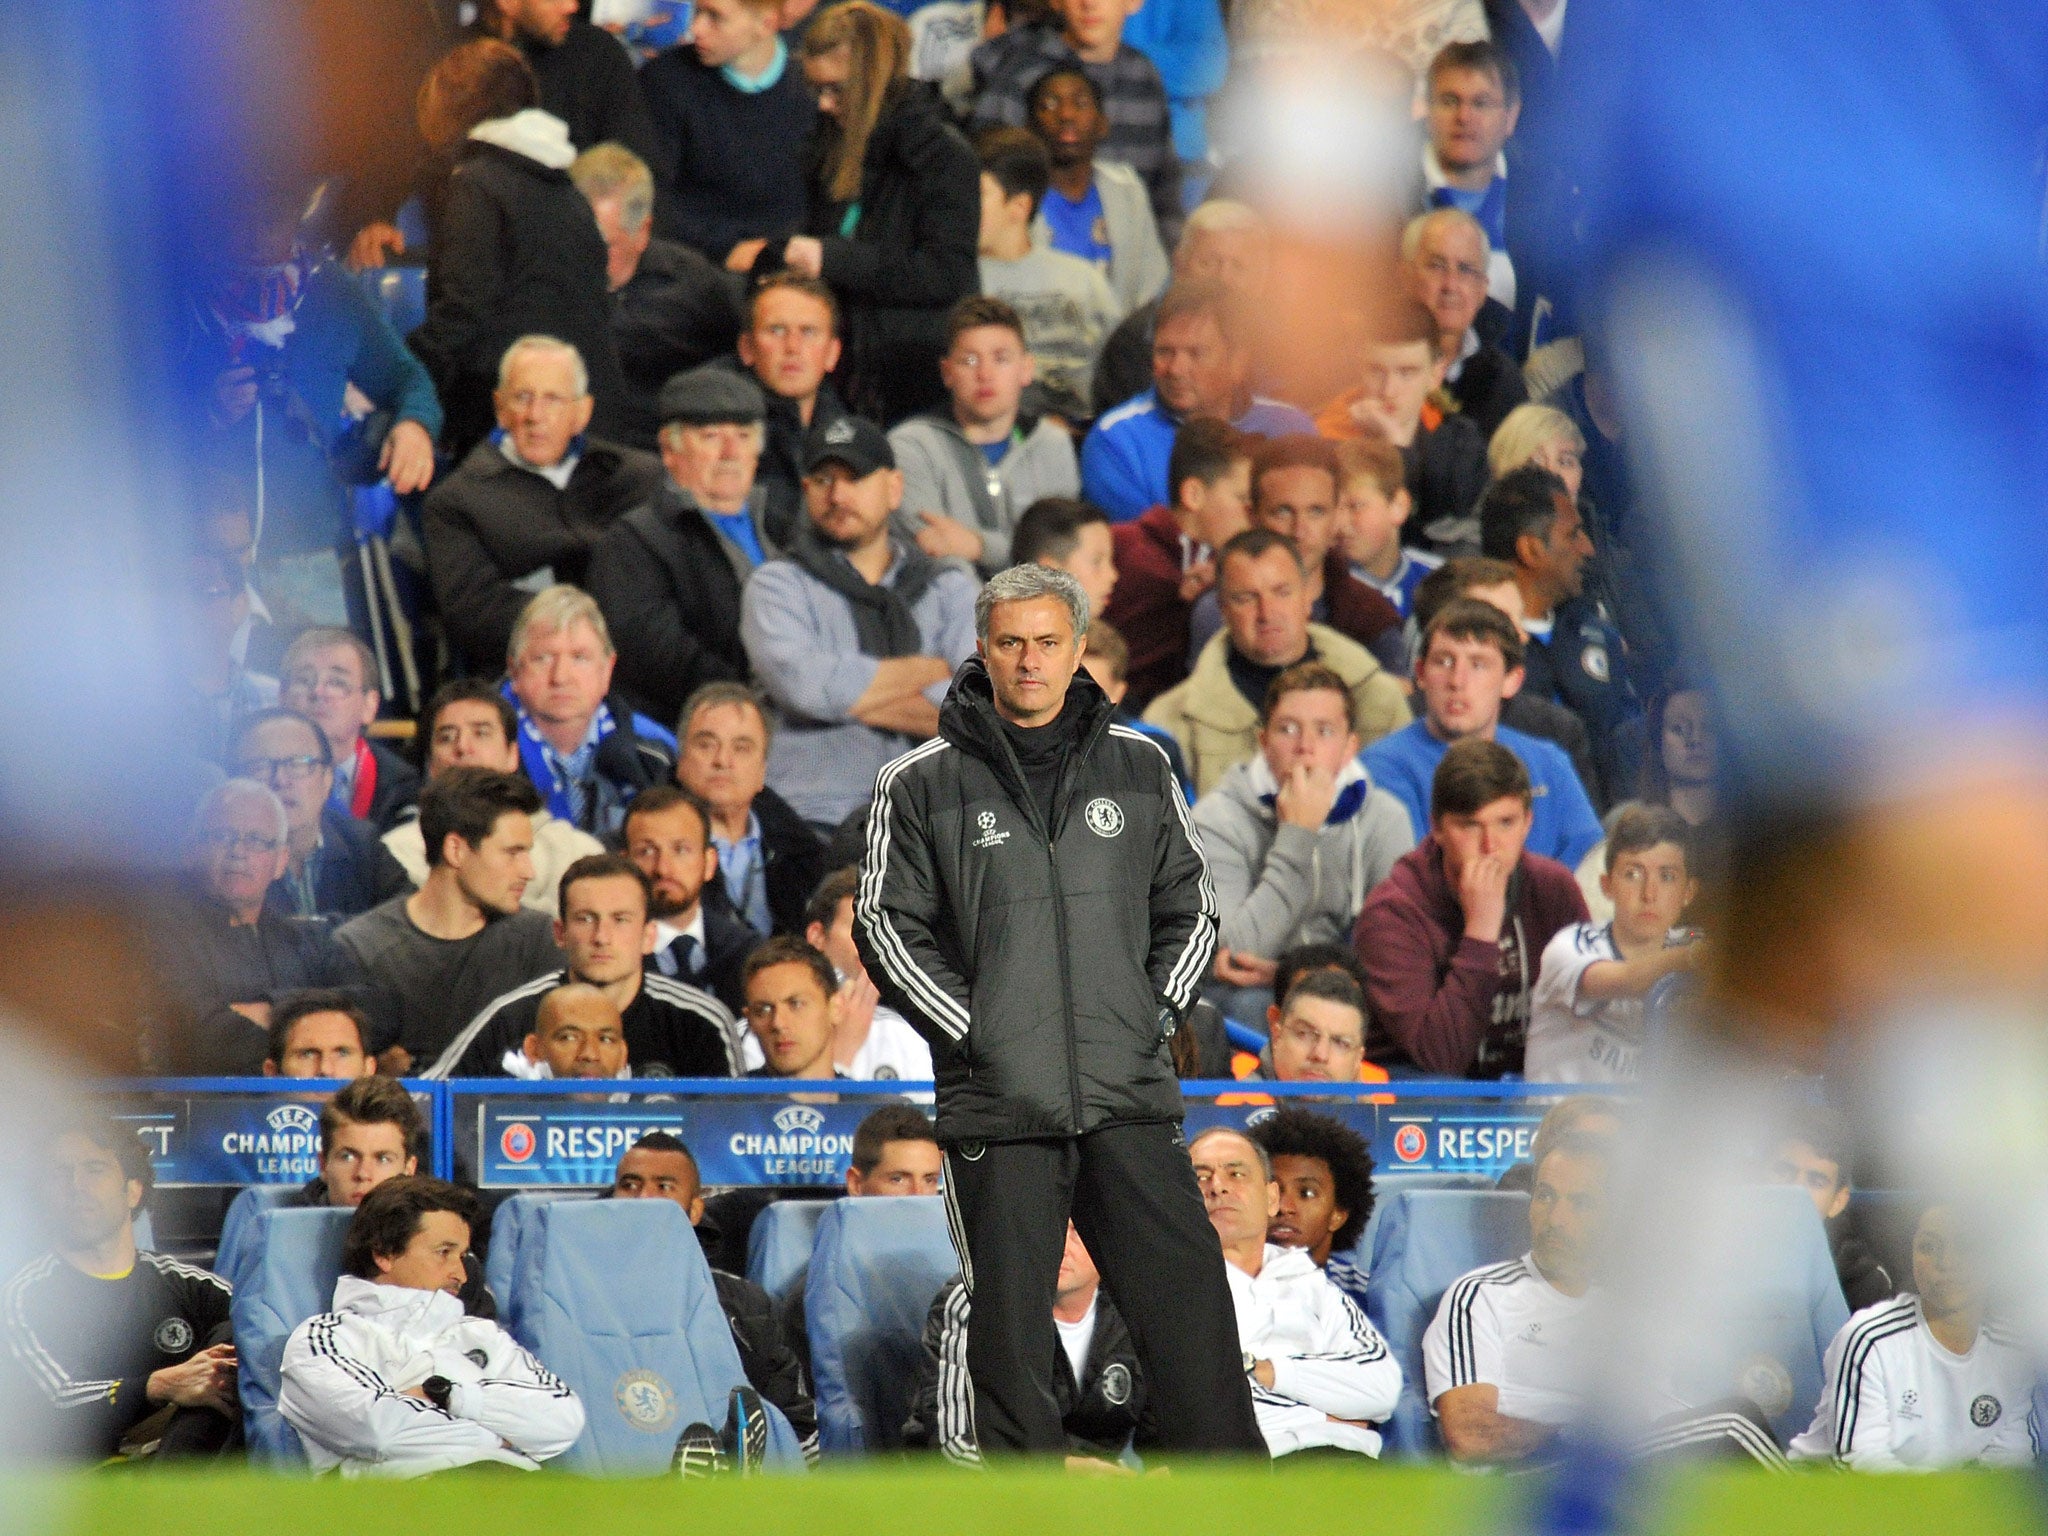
x=1132, y=1195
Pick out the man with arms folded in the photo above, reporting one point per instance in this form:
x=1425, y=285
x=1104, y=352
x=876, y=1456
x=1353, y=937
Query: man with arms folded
x=397, y=1381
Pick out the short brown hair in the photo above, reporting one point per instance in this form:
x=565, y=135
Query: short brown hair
x=1105, y=641
x=664, y=797
x=892, y=1122
x=1293, y=450
x=1306, y=677
x=1374, y=459
x=1454, y=579
x=1252, y=544
x=1639, y=828
x=1203, y=296
x=303, y=1005
x=603, y=866
x=390, y=1217
x=1204, y=449
x=473, y=84
x=1466, y=618
x=978, y=310
x=468, y=802
x=788, y=949
x=725, y=691
x=375, y=1101
x=1484, y=58
x=794, y=282
x=836, y=887
x=1402, y=323
x=1474, y=773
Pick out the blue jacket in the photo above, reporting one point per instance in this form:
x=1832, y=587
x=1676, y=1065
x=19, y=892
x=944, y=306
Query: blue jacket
x=1564, y=827
x=1123, y=459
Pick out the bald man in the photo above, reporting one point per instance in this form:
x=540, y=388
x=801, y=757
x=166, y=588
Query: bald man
x=577, y=1034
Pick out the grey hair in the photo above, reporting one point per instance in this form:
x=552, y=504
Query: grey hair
x=1265, y=1157
x=539, y=343
x=1022, y=583
x=1413, y=231
x=551, y=611
x=612, y=170
x=230, y=790
x=1221, y=216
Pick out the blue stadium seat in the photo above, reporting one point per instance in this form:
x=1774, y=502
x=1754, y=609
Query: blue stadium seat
x=145, y=1231
x=1426, y=1238
x=780, y=1244
x=616, y=1298
x=401, y=292
x=1386, y=1184
x=877, y=1266
x=293, y=1258
x=238, y=1226
x=510, y=1224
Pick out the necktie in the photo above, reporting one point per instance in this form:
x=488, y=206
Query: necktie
x=680, y=957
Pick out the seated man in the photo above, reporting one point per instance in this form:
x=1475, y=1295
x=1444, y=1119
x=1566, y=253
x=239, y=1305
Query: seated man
x=320, y=1033
x=1315, y=1033
x=1094, y=209
x=443, y=952
x=1201, y=366
x=1444, y=455
x=1324, y=1172
x=330, y=677
x=970, y=471
x=1321, y=1374
x=1475, y=101
x=576, y=1035
x=664, y=1027
x=793, y=1009
x=1298, y=834
x=1586, y=1017
x=1101, y=1393
x=769, y=862
x=397, y=1381
x=525, y=508
x=371, y=1131
x=790, y=344
x=469, y=724
x=1469, y=662
x=334, y=864
x=1070, y=536
x=1214, y=715
x=854, y=634
x=1294, y=492
x=1813, y=1153
x=1063, y=301
x=1166, y=559
x=668, y=574
x=659, y=1167
x=107, y=1335
x=871, y=1041
x=698, y=942
x=1445, y=254
x=1928, y=1380
x=584, y=750
x=671, y=308
x=225, y=955
x=1451, y=939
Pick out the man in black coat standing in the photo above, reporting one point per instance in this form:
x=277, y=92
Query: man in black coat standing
x=1034, y=902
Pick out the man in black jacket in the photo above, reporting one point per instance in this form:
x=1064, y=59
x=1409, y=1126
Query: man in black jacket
x=586, y=78
x=668, y=577
x=769, y=862
x=1035, y=903
x=790, y=344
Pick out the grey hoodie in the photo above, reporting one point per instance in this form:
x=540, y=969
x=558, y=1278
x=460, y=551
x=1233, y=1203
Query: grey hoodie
x=1279, y=886
x=943, y=472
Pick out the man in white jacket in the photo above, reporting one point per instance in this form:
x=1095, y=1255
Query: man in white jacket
x=1321, y=1374
x=396, y=1381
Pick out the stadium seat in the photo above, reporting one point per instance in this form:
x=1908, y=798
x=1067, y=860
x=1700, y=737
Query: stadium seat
x=877, y=1266
x=293, y=1258
x=1386, y=1184
x=779, y=1246
x=145, y=1231
x=1425, y=1239
x=615, y=1297
x=401, y=292
x=238, y=1226
x=510, y=1224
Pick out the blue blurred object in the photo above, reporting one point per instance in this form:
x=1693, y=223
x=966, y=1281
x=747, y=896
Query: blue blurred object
x=292, y=1261
x=376, y=510
x=781, y=1242
x=401, y=292
x=411, y=222
x=1243, y=1037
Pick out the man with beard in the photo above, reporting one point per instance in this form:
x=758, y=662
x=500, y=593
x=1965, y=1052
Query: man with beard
x=668, y=836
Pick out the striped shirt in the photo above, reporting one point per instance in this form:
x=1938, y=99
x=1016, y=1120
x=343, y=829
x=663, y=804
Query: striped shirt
x=1508, y=1327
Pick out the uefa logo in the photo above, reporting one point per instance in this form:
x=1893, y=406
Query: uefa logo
x=1410, y=1142
x=293, y=1117
x=1259, y=1116
x=799, y=1120
x=986, y=820
x=516, y=1141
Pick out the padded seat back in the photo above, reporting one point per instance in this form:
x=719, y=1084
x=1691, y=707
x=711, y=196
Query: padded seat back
x=237, y=1227
x=1426, y=1239
x=292, y=1257
x=510, y=1224
x=780, y=1245
x=1385, y=1185
x=877, y=1265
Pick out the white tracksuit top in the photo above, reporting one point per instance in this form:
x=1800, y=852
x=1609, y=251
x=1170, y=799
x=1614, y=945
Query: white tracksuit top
x=346, y=1372
x=1329, y=1363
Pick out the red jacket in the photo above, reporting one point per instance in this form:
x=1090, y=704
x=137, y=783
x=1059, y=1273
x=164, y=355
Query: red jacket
x=1451, y=1005
x=1146, y=607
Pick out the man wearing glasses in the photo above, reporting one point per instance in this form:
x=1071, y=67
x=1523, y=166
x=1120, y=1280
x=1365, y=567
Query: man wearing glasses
x=529, y=503
x=1446, y=256
x=330, y=677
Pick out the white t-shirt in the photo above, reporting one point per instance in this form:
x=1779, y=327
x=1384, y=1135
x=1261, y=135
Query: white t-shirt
x=892, y=1052
x=1896, y=1399
x=1577, y=1040
x=1077, y=1338
x=1507, y=1327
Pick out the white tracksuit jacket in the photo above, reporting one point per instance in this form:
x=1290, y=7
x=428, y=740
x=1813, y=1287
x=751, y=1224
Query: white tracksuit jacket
x=1329, y=1363
x=346, y=1372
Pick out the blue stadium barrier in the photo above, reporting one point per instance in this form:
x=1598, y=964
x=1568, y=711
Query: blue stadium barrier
x=294, y=1258
x=616, y=1297
x=877, y=1266
x=237, y=1228
x=1425, y=1240
x=1243, y=1037
x=780, y=1245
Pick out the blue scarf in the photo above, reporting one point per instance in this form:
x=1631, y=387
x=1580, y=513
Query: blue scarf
x=1490, y=208
x=1353, y=784
x=538, y=759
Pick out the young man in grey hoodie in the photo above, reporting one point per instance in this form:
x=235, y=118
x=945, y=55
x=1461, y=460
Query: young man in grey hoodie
x=971, y=471
x=1295, y=836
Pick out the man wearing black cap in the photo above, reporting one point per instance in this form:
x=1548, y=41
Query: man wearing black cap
x=668, y=575
x=855, y=632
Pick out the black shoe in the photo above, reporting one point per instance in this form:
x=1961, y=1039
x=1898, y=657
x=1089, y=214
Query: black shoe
x=697, y=1453
x=745, y=1441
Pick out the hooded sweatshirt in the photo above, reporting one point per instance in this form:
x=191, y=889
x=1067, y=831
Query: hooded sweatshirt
x=1452, y=1005
x=945, y=473
x=1282, y=885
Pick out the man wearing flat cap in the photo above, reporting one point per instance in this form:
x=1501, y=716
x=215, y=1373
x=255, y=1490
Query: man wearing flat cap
x=527, y=504
x=854, y=633
x=668, y=576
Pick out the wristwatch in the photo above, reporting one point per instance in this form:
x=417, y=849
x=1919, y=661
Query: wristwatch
x=438, y=1389
x=1251, y=1362
x=1167, y=1021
